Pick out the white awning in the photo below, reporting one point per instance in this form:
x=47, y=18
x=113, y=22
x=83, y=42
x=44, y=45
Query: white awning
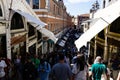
x=49, y=34
x=106, y=17
x=24, y=9
x=31, y=19
x=89, y=34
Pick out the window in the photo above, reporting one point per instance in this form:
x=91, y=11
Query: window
x=31, y=30
x=49, y=26
x=115, y=26
x=3, y=51
x=28, y=1
x=32, y=49
x=104, y=3
x=109, y=0
x=101, y=34
x=1, y=10
x=58, y=11
x=47, y=4
x=39, y=35
x=54, y=9
x=17, y=22
x=35, y=4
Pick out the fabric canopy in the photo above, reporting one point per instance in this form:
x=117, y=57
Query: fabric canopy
x=49, y=34
x=23, y=8
x=105, y=17
x=38, y=24
x=31, y=19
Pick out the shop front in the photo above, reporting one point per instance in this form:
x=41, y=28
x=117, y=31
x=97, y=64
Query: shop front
x=3, y=46
x=32, y=49
x=18, y=46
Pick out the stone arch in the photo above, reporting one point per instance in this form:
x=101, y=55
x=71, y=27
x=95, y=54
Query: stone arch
x=1, y=9
x=17, y=22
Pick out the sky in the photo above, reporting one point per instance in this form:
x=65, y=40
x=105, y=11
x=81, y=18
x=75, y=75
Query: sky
x=78, y=7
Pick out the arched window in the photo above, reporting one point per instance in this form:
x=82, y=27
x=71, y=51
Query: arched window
x=1, y=10
x=17, y=22
x=1, y=14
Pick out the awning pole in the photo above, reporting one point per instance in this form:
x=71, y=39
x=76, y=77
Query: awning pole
x=95, y=48
x=106, y=45
x=105, y=20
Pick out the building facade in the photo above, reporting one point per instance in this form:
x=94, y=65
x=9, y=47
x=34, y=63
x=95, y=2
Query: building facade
x=54, y=14
x=20, y=29
x=81, y=18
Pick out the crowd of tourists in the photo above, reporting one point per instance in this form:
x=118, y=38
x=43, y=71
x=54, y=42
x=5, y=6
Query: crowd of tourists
x=65, y=63
x=55, y=66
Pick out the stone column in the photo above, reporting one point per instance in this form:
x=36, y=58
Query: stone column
x=106, y=46
x=8, y=41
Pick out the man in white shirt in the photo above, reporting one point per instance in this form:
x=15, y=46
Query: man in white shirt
x=2, y=71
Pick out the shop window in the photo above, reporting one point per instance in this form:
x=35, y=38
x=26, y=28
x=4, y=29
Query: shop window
x=35, y=4
x=31, y=30
x=32, y=49
x=100, y=51
x=115, y=26
x=17, y=22
x=1, y=14
x=3, y=51
x=101, y=34
x=39, y=35
x=40, y=50
x=1, y=10
x=93, y=40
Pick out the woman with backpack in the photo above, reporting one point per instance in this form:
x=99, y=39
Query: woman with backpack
x=44, y=69
x=80, y=70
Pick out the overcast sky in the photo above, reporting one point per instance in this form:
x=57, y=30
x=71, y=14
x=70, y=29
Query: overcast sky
x=77, y=7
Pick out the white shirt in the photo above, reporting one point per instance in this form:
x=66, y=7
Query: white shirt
x=2, y=66
x=79, y=75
